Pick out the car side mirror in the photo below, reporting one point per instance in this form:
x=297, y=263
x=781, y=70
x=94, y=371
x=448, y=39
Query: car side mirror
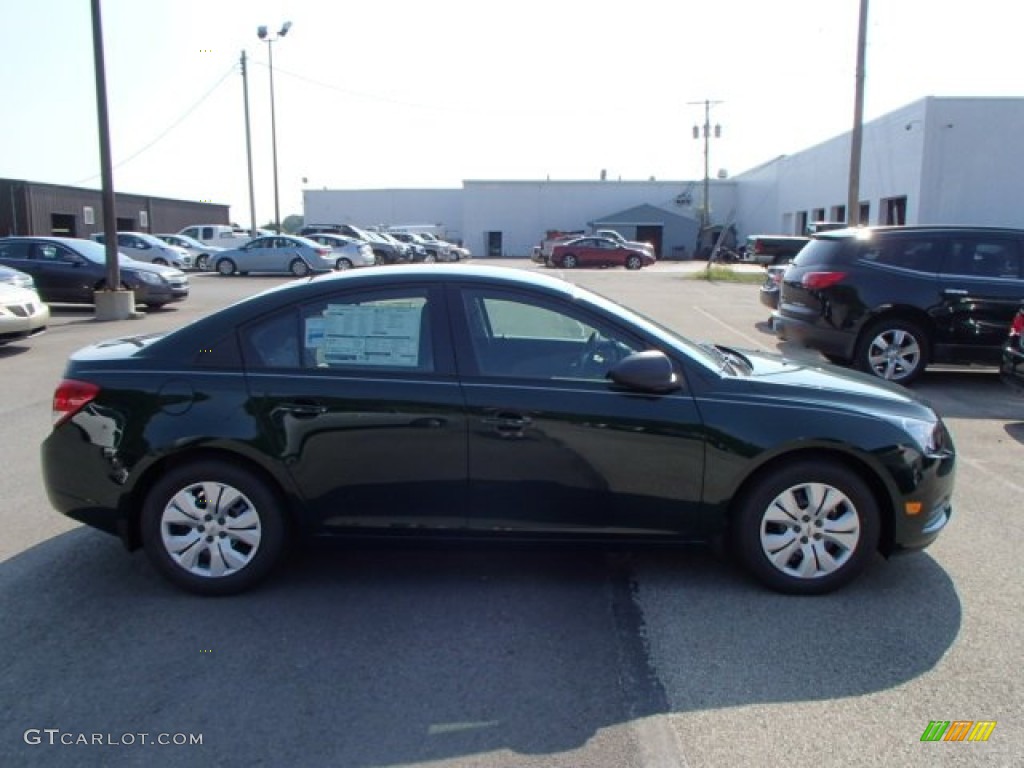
x=647, y=371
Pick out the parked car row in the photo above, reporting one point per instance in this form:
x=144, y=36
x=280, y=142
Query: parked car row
x=395, y=246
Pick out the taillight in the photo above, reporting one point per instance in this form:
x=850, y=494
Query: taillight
x=815, y=281
x=1017, y=328
x=758, y=246
x=71, y=397
x=324, y=252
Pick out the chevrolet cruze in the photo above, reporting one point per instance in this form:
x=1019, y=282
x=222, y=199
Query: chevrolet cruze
x=482, y=402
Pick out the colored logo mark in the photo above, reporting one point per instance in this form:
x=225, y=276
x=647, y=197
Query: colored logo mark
x=958, y=730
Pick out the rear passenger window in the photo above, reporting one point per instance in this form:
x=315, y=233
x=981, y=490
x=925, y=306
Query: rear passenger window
x=983, y=257
x=914, y=254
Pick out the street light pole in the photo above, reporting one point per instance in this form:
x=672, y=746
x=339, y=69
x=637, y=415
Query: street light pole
x=248, y=148
x=262, y=32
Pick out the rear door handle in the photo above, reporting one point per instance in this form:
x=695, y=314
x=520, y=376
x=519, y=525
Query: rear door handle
x=303, y=410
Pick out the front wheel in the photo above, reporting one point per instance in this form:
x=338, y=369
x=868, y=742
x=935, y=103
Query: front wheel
x=807, y=528
x=896, y=350
x=202, y=262
x=212, y=528
x=299, y=268
x=634, y=262
x=226, y=267
x=161, y=262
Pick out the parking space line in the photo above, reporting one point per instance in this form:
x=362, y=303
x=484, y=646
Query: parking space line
x=749, y=339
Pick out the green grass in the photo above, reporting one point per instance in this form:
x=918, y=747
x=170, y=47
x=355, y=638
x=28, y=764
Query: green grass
x=724, y=274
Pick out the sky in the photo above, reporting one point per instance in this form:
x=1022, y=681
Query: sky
x=374, y=94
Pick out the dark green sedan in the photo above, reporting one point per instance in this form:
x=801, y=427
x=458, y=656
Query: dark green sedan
x=473, y=401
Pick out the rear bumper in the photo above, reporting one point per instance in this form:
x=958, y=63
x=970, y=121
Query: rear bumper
x=813, y=336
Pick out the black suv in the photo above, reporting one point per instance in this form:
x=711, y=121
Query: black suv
x=891, y=300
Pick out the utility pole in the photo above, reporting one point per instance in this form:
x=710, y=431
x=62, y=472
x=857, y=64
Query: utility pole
x=857, y=135
x=111, y=303
x=698, y=131
x=248, y=149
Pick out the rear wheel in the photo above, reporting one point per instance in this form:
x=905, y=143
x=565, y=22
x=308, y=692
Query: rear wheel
x=807, y=528
x=569, y=261
x=896, y=350
x=299, y=268
x=226, y=267
x=212, y=528
x=634, y=262
x=343, y=264
x=430, y=258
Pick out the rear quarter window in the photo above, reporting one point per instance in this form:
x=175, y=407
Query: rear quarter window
x=821, y=252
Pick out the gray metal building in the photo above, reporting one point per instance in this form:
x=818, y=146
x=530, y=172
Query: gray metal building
x=32, y=208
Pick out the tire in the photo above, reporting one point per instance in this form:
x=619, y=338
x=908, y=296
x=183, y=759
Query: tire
x=569, y=261
x=343, y=264
x=161, y=262
x=202, y=262
x=299, y=268
x=895, y=350
x=836, y=359
x=156, y=305
x=634, y=262
x=430, y=258
x=806, y=529
x=226, y=267
x=212, y=528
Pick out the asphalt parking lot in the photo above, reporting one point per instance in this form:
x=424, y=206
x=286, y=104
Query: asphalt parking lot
x=511, y=656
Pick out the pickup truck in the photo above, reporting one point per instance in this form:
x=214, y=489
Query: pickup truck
x=773, y=249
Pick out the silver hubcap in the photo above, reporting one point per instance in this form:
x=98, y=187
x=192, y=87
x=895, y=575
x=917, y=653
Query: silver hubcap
x=810, y=530
x=894, y=355
x=210, y=529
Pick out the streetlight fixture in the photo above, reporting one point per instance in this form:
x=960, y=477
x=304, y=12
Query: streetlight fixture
x=262, y=32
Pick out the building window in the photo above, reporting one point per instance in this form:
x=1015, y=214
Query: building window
x=801, y=223
x=865, y=214
x=838, y=213
x=894, y=210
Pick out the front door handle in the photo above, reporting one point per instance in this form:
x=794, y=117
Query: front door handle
x=954, y=292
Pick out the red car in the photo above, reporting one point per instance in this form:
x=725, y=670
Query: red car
x=597, y=252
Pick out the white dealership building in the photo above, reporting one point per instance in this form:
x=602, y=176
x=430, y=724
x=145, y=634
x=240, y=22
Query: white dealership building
x=935, y=161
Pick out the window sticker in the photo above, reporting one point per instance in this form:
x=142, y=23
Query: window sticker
x=366, y=335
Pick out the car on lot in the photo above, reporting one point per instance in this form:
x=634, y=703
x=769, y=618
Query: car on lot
x=276, y=253
x=348, y=252
x=598, y=252
x=142, y=246
x=220, y=235
x=17, y=278
x=1011, y=368
x=70, y=270
x=201, y=252
x=22, y=313
x=892, y=300
x=482, y=401
x=769, y=293
x=773, y=249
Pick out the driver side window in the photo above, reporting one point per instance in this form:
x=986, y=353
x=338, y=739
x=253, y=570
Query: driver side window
x=517, y=337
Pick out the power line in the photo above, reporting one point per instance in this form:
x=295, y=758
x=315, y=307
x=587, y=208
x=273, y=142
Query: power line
x=170, y=128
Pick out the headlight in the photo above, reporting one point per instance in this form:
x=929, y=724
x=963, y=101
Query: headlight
x=150, y=277
x=930, y=437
